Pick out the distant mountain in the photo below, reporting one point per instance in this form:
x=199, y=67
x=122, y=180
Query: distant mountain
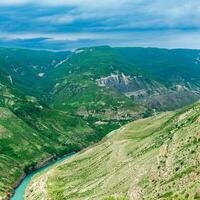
x=26, y=67
x=152, y=158
x=156, y=78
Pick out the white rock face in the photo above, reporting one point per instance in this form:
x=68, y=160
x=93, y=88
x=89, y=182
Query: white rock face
x=79, y=51
x=113, y=78
x=41, y=74
x=10, y=79
x=106, y=80
x=125, y=79
x=60, y=63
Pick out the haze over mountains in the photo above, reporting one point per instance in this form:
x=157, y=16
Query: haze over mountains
x=53, y=103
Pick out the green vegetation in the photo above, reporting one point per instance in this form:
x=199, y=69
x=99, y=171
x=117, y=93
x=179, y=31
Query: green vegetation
x=57, y=102
x=153, y=158
x=156, y=78
x=115, y=198
x=32, y=134
x=27, y=67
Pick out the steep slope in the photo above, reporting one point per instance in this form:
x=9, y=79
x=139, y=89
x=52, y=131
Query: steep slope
x=31, y=134
x=153, y=158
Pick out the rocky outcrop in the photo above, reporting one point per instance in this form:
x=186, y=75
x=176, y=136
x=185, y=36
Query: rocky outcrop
x=150, y=93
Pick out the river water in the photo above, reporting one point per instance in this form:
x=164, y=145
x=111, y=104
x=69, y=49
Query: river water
x=20, y=190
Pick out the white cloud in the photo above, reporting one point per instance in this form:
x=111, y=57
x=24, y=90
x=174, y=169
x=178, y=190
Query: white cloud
x=56, y=36
x=170, y=39
x=12, y=2
x=128, y=13
x=63, y=2
x=107, y=21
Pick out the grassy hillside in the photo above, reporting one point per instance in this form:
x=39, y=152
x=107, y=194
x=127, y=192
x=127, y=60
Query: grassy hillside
x=81, y=96
x=57, y=102
x=158, y=79
x=46, y=75
x=25, y=67
x=165, y=64
x=72, y=87
x=31, y=133
x=153, y=158
x=24, y=145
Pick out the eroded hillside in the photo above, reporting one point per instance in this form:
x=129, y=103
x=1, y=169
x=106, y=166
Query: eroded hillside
x=153, y=158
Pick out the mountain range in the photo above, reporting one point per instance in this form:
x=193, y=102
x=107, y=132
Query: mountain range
x=53, y=103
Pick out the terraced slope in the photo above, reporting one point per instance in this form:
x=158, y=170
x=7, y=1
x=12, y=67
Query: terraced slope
x=153, y=158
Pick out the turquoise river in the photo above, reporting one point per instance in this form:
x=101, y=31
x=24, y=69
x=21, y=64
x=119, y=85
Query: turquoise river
x=20, y=190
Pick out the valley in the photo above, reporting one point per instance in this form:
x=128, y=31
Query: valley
x=54, y=103
x=99, y=100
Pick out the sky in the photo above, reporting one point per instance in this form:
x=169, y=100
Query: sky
x=71, y=24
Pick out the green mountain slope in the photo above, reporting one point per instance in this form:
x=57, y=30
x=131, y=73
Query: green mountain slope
x=72, y=87
x=45, y=75
x=58, y=102
x=156, y=78
x=31, y=134
x=165, y=64
x=153, y=158
x=26, y=67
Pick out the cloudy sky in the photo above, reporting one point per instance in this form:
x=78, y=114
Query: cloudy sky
x=69, y=24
